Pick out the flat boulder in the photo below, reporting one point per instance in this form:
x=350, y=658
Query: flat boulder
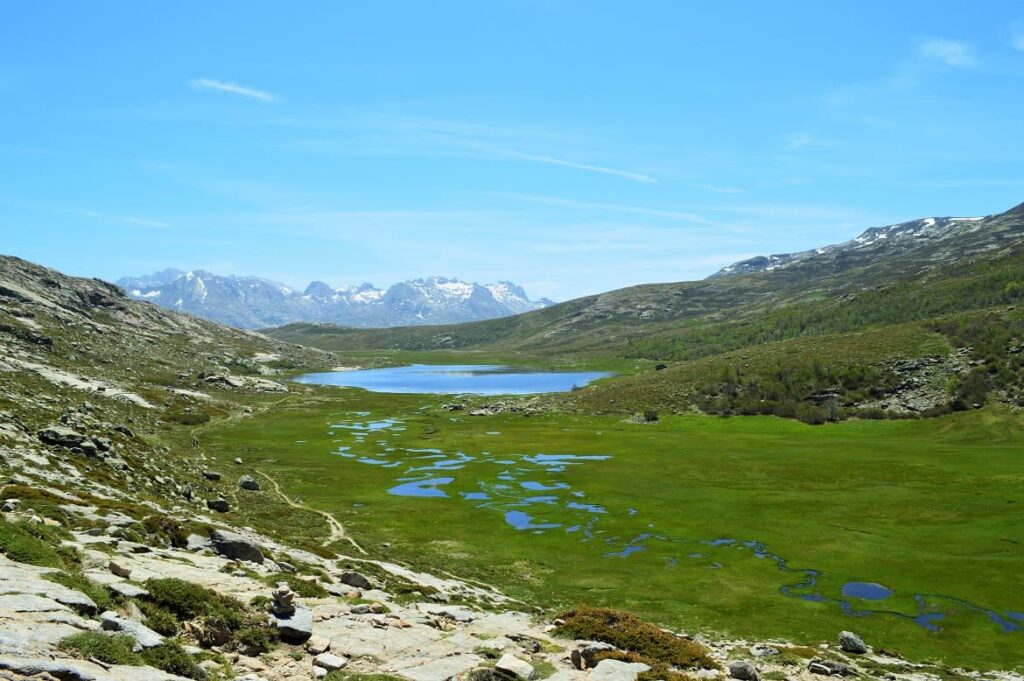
x=296, y=627
x=143, y=635
x=512, y=666
x=613, y=670
x=235, y=546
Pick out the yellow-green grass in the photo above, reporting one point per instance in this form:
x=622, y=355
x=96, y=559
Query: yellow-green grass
x=923, y=507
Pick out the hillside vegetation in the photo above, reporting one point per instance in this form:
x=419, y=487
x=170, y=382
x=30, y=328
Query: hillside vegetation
x=819, y=339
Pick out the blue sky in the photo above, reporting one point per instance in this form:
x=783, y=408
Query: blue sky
x=572, y=147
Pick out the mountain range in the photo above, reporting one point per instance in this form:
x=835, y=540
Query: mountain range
x=254, y=302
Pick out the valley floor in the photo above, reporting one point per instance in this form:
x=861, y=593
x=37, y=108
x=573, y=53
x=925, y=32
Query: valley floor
x=908, y=532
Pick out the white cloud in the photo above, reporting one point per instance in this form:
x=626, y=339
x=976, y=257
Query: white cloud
x=638, y=177
x=800, y=140
x=232, y=88
x=1017, y=39
x=146, y=222
x=949, y=52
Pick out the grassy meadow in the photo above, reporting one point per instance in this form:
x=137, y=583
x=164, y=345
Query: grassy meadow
x=744, y=527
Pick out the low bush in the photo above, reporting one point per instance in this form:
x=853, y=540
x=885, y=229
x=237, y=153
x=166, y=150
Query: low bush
x=159, y=619
x=100, y=595
x=36, y=544
x=189, y=601
x=632, y=635
x=172, y=658
x=105, y=648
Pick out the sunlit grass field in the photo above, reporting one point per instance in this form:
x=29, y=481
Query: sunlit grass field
x=744, y=527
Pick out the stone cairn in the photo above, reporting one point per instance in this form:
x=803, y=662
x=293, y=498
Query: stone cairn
x=284, y=600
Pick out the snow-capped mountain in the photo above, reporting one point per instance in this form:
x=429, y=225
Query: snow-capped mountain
x=253, y=302
x=874, y=241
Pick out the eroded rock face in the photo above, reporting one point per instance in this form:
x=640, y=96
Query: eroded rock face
x=235, y=546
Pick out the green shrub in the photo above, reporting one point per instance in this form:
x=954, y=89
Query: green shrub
x=166, y=530
x=256, y=639
x=189, y=601
x=100, y=595
x=629, y=633
x=158, y=618
x=35, y=544
x=108, y=649
x=302, y=587
x=172, y=658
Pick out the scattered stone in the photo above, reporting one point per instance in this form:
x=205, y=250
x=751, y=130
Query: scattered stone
x=360, y=609
x=743, y=670
x=197, y=542
x=249, y=483
x=512, y=665
x=613, y=670
x=235, y=546
x=284, y=600
x=318, y=644
x=330, y=661
x=212, y=475
x=10, y=505
x=119, y=570
x=61, y=436
x=219, y=505
x=143, y=635
x=852, y=643
x=585, y=655
x=763, y=650
x=285, y=566
x=828, y=668
x=238, y=460
x=355, y=579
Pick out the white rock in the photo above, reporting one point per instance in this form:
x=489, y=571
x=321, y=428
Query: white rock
x=318, y=644
x=613, y=670
x=519, y=669
x=329, y=661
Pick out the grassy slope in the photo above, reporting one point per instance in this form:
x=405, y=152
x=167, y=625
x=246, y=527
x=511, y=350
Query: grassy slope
x=861, y=501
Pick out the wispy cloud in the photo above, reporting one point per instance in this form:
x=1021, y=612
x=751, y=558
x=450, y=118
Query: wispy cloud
x=800, y=140
x=717, y=188
x=1017, y=37
x=146, y=222
x=233, y=88
x=551, y=160
x=125, y=219
x=949, y=52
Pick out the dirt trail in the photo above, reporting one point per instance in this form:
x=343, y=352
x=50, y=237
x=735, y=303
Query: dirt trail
x=337, y=529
